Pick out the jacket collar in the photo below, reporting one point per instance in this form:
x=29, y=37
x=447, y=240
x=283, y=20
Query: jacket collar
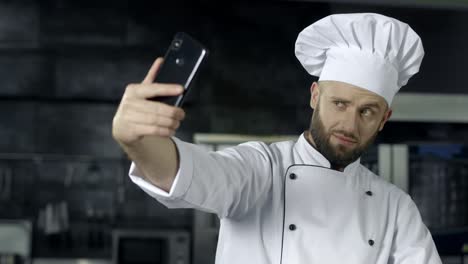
x=307, y=154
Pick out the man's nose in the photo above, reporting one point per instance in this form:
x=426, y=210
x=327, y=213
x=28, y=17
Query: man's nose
x=349, y=123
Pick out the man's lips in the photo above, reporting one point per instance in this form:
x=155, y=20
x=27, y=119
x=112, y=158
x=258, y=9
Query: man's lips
x=345, y=140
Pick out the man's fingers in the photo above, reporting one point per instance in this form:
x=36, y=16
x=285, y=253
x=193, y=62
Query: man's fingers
x=137, y=116
x=147, y=91
x=173, y=112
x=153, y=120
x=153, y=71
x=156, y=109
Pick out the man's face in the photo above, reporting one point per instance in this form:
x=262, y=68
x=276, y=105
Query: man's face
x=346, y=120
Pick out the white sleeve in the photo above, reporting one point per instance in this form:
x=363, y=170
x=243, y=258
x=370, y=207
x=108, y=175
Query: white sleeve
x=181, y=181
x=227, y=182
x=148, y=187
x=412, y=243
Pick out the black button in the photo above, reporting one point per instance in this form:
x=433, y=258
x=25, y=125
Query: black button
x=371, y=242
x=292, y=176
x=292, y=227
x=369, y=193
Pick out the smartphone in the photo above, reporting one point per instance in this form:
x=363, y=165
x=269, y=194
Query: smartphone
x=181, y=64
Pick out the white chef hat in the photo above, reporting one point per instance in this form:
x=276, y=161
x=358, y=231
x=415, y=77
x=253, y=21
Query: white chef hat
x=368, y=50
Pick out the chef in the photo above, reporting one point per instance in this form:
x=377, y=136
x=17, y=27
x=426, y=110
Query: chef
x=303, y=201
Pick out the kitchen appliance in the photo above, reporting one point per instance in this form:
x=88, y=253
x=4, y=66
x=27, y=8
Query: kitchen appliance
x=15, y=241
x=151, y=246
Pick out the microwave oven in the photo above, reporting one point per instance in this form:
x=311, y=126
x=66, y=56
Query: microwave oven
x=150, y=246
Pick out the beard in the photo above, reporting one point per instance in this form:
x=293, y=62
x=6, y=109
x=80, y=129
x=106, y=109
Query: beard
x=339, y=156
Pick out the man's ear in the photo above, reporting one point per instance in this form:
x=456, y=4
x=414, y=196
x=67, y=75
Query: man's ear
x=314, y=94
x=387, y=116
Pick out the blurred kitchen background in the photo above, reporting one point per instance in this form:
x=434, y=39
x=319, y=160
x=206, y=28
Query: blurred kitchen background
x=65, y=196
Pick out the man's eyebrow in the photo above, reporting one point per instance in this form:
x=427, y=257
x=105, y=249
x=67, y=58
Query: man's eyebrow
x=334, y=98
x=372, y=105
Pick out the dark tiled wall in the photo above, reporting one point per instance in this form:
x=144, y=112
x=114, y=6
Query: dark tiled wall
x=64, y=64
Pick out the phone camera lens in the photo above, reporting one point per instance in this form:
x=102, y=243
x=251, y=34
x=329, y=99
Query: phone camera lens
x=179, y=61
x=177, y=44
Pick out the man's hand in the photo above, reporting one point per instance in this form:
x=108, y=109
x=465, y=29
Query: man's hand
x=137, y=116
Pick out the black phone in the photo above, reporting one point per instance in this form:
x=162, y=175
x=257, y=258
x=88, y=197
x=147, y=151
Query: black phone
x=181, y=64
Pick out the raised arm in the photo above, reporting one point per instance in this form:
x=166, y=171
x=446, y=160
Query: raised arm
x=143, y=128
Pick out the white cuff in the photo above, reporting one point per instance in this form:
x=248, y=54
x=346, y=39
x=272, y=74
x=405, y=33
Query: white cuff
x=181, y=182
x=139, y=180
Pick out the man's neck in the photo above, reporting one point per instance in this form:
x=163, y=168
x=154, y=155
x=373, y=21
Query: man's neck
x=334, y=167
x=310, y=139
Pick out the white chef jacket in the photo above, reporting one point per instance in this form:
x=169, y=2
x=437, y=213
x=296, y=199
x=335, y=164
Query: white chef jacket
x=282, y=204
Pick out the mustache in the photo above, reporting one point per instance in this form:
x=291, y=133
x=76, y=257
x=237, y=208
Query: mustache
x=346, y=134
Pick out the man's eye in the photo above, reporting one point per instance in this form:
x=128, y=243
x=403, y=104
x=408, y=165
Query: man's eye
x=339, y=104
x=366, y=112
